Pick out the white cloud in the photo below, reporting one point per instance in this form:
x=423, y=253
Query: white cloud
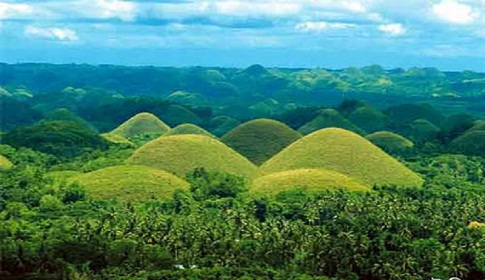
x=319, y=26
x=9, y=10
x=247, y=8
x=455, y=12
x=394, y=29
x=53, y=33
x=103, y=9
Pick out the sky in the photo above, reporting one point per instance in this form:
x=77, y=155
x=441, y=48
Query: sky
x=448, y=34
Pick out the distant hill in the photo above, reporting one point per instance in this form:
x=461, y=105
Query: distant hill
x=392, y=143
x=329, y=118
x=142, y=123
x=187, y=128
x=260, y=139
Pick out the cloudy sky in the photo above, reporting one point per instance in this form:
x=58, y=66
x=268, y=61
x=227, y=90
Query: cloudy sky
x=449, y=34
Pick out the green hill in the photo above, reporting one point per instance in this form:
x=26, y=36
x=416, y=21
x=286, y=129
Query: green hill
x=390, y=142
x=345, y=152
x=221, y=125
x=180, y=154
x=187, y=128
x=369, y=119
x=423, y=130
x=328, y=118
x=130, y=183
x=308, y=180
x=60, y=176
x=141, y=124
x=260, y=139
x=470, y=143
x=116, y=139
x=177, y=114
x=5, y=163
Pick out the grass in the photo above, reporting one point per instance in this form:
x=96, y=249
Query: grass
x=258, y=140
x=328, y=118
x=130, y=183
x=5, y=164
x=345, y=152
x=61, y=176
x=187, y=128
x=308, y=180
x=390, y=142
x=177, y=114
x=140, y=124
x=180, y=154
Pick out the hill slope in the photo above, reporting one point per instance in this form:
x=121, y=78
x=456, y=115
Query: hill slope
x=142, y=123
x=260, y=139
x=390, y=142
x=130, y=183
x=308, y=180
x=328, y=118
x=345, y=152
x=180, y=154
x=187, y=128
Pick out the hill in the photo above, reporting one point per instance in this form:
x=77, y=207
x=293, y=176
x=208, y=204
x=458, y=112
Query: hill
x=390, y=142
x=180, y=154
x=260, y=139
x=176, y=114
x=116, y=139
x=470, y=143
x=328, y=118
x=130, y=183
x=5, y=163
x=369, y=119
x=187, y=128
x=345, y=152
x=423, y=130
x=221, y=125
x=141, y=124
x=308, y=180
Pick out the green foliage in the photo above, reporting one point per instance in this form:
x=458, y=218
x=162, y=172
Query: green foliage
x=470, y=143
x=63, y=139
x=180, y=154
x=208, y=185
x=344, y=152
x=258, y=140
x=369, y=119
x=5, y=163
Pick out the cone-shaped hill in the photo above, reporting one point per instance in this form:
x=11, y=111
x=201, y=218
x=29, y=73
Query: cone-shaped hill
x=117, y=139
x=308, y=180
x=258, y=140
x=187, y=128
x=369, y=119
x=390, y=142
x=470, y=143
x=345, y=152
x=423, y=130
x=5, y=163
x=177, y=114
x=221, y=125
x=140, y=124
x=180, y=154
x=132, y=183
x=328, y=118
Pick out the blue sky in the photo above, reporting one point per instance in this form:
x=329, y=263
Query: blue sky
x=448, y=34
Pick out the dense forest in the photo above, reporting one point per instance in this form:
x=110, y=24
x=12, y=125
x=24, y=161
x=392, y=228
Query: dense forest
x=114, y=172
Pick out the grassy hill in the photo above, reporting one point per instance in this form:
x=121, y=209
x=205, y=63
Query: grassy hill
x=5, y=163
x=308, y=180
x=345, y=152
x=221, y=125
x=180, y=154
x=260, y=139
x=60, y=176
x=328, y=118
x=187, y=128
x=423, y=130
x=117, y=139
x=130, y=183
x=369, y=119
x=141, y=124
x=470, y=143
x=390, y=142
x=176, y=114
